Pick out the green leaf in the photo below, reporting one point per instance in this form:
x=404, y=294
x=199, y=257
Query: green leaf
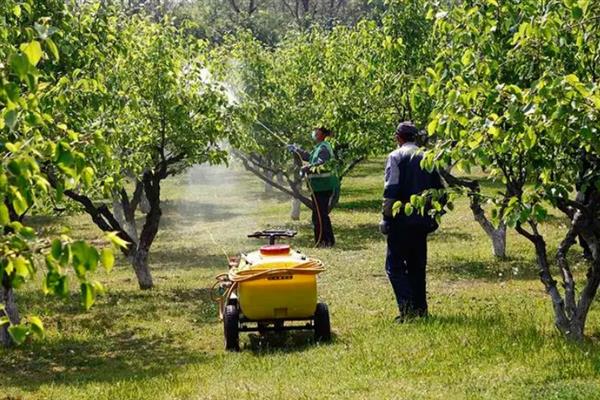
x=577, y=12
x=88, y=176
x=116, y=240
x=18, y=333
x=56, y=249
x=87, y=295
x=37, y=327
x=4, y=216
x=396, y=208
x=19, y=65
x=108, y=259
x=33, y=51
x=22, y=267
x=467, y=58
x=408, y=209
x=85, y=258
x=53, y=49
x=17, y=10
x=10, y=118
x=432, y=126
x=19, y=203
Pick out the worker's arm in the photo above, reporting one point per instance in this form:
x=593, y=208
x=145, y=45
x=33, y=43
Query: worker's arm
x=303, y=154
x=391, y=187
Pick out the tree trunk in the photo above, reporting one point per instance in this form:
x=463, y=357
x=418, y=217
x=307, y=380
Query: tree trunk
x=561, y=320
x=499, y=242
x=268, y=186
x=496, y=235
x=280, y=179
x=295, y=214
x=589, y=230
x=128, y=226
x=10, y=310
x=139, y=261
x=144, y=203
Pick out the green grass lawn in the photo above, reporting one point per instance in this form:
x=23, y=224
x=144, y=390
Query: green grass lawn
x=490, y=335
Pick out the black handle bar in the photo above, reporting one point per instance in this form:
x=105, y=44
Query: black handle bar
x=273, y=234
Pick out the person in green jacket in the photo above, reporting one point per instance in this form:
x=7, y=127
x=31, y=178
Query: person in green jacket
x=324, y=184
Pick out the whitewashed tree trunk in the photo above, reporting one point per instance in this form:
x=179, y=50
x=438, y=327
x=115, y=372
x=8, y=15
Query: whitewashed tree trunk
x=295, y=214
x=268, y=186
x=128, y=226
x=498, y=237
x=144, y=204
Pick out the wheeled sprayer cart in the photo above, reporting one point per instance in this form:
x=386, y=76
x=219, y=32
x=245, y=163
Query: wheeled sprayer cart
x=271, y=289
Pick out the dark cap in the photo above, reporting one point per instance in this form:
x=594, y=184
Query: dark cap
x=407, y=131
x=324, y=131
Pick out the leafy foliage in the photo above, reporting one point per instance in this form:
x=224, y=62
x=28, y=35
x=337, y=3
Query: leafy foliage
x=516, y=91
x=32, y=138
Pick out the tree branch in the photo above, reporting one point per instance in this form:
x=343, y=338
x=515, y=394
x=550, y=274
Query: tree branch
x=254, y=168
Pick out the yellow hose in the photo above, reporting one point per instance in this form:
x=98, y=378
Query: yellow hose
x=233, y=278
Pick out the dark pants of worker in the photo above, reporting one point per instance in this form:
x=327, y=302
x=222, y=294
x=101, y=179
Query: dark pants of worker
x=405, y=266
x=320, y=219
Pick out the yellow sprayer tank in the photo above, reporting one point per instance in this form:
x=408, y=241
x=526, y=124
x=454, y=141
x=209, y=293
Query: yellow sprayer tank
x=280, y=296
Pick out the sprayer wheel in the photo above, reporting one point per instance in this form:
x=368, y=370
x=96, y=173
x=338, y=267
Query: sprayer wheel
x=231, y=319
x=322, y=324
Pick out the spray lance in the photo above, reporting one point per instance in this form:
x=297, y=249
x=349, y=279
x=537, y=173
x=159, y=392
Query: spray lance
x=295, y=149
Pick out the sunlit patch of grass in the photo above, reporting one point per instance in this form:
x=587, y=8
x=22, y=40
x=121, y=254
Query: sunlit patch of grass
x=490, y=334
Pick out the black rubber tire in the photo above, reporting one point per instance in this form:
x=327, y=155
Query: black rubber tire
x=232, y=302
x=231, y=319
x=322, y=323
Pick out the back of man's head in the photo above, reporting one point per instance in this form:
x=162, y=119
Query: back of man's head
x=407, y=131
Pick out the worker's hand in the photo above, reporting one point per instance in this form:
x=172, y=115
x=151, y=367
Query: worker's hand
x=305, y=169
x=292, y=148
x=384, y=227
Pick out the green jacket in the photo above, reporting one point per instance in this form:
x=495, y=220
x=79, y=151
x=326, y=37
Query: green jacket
x=323, y=175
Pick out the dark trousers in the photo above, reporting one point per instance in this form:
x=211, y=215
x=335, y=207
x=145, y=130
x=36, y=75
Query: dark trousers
x=321, y=222
x=405, y=266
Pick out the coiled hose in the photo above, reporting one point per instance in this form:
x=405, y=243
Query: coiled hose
x=230, y=280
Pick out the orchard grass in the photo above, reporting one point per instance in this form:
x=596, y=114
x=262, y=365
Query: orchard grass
x=490, y=334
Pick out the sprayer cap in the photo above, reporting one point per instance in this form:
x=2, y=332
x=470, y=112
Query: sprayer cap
x=275, y=250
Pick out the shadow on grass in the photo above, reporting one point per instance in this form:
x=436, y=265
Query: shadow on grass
x=450, y=234
x=108, y=353
x=490, y=270
x=371, y=167
x=185, y=258
x=360, y=205
x=361, y=236
x=283, y=342
x=120, y=356
x=513, y=267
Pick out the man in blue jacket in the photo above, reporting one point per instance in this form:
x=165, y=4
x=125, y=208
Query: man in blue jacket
x=407, y=234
